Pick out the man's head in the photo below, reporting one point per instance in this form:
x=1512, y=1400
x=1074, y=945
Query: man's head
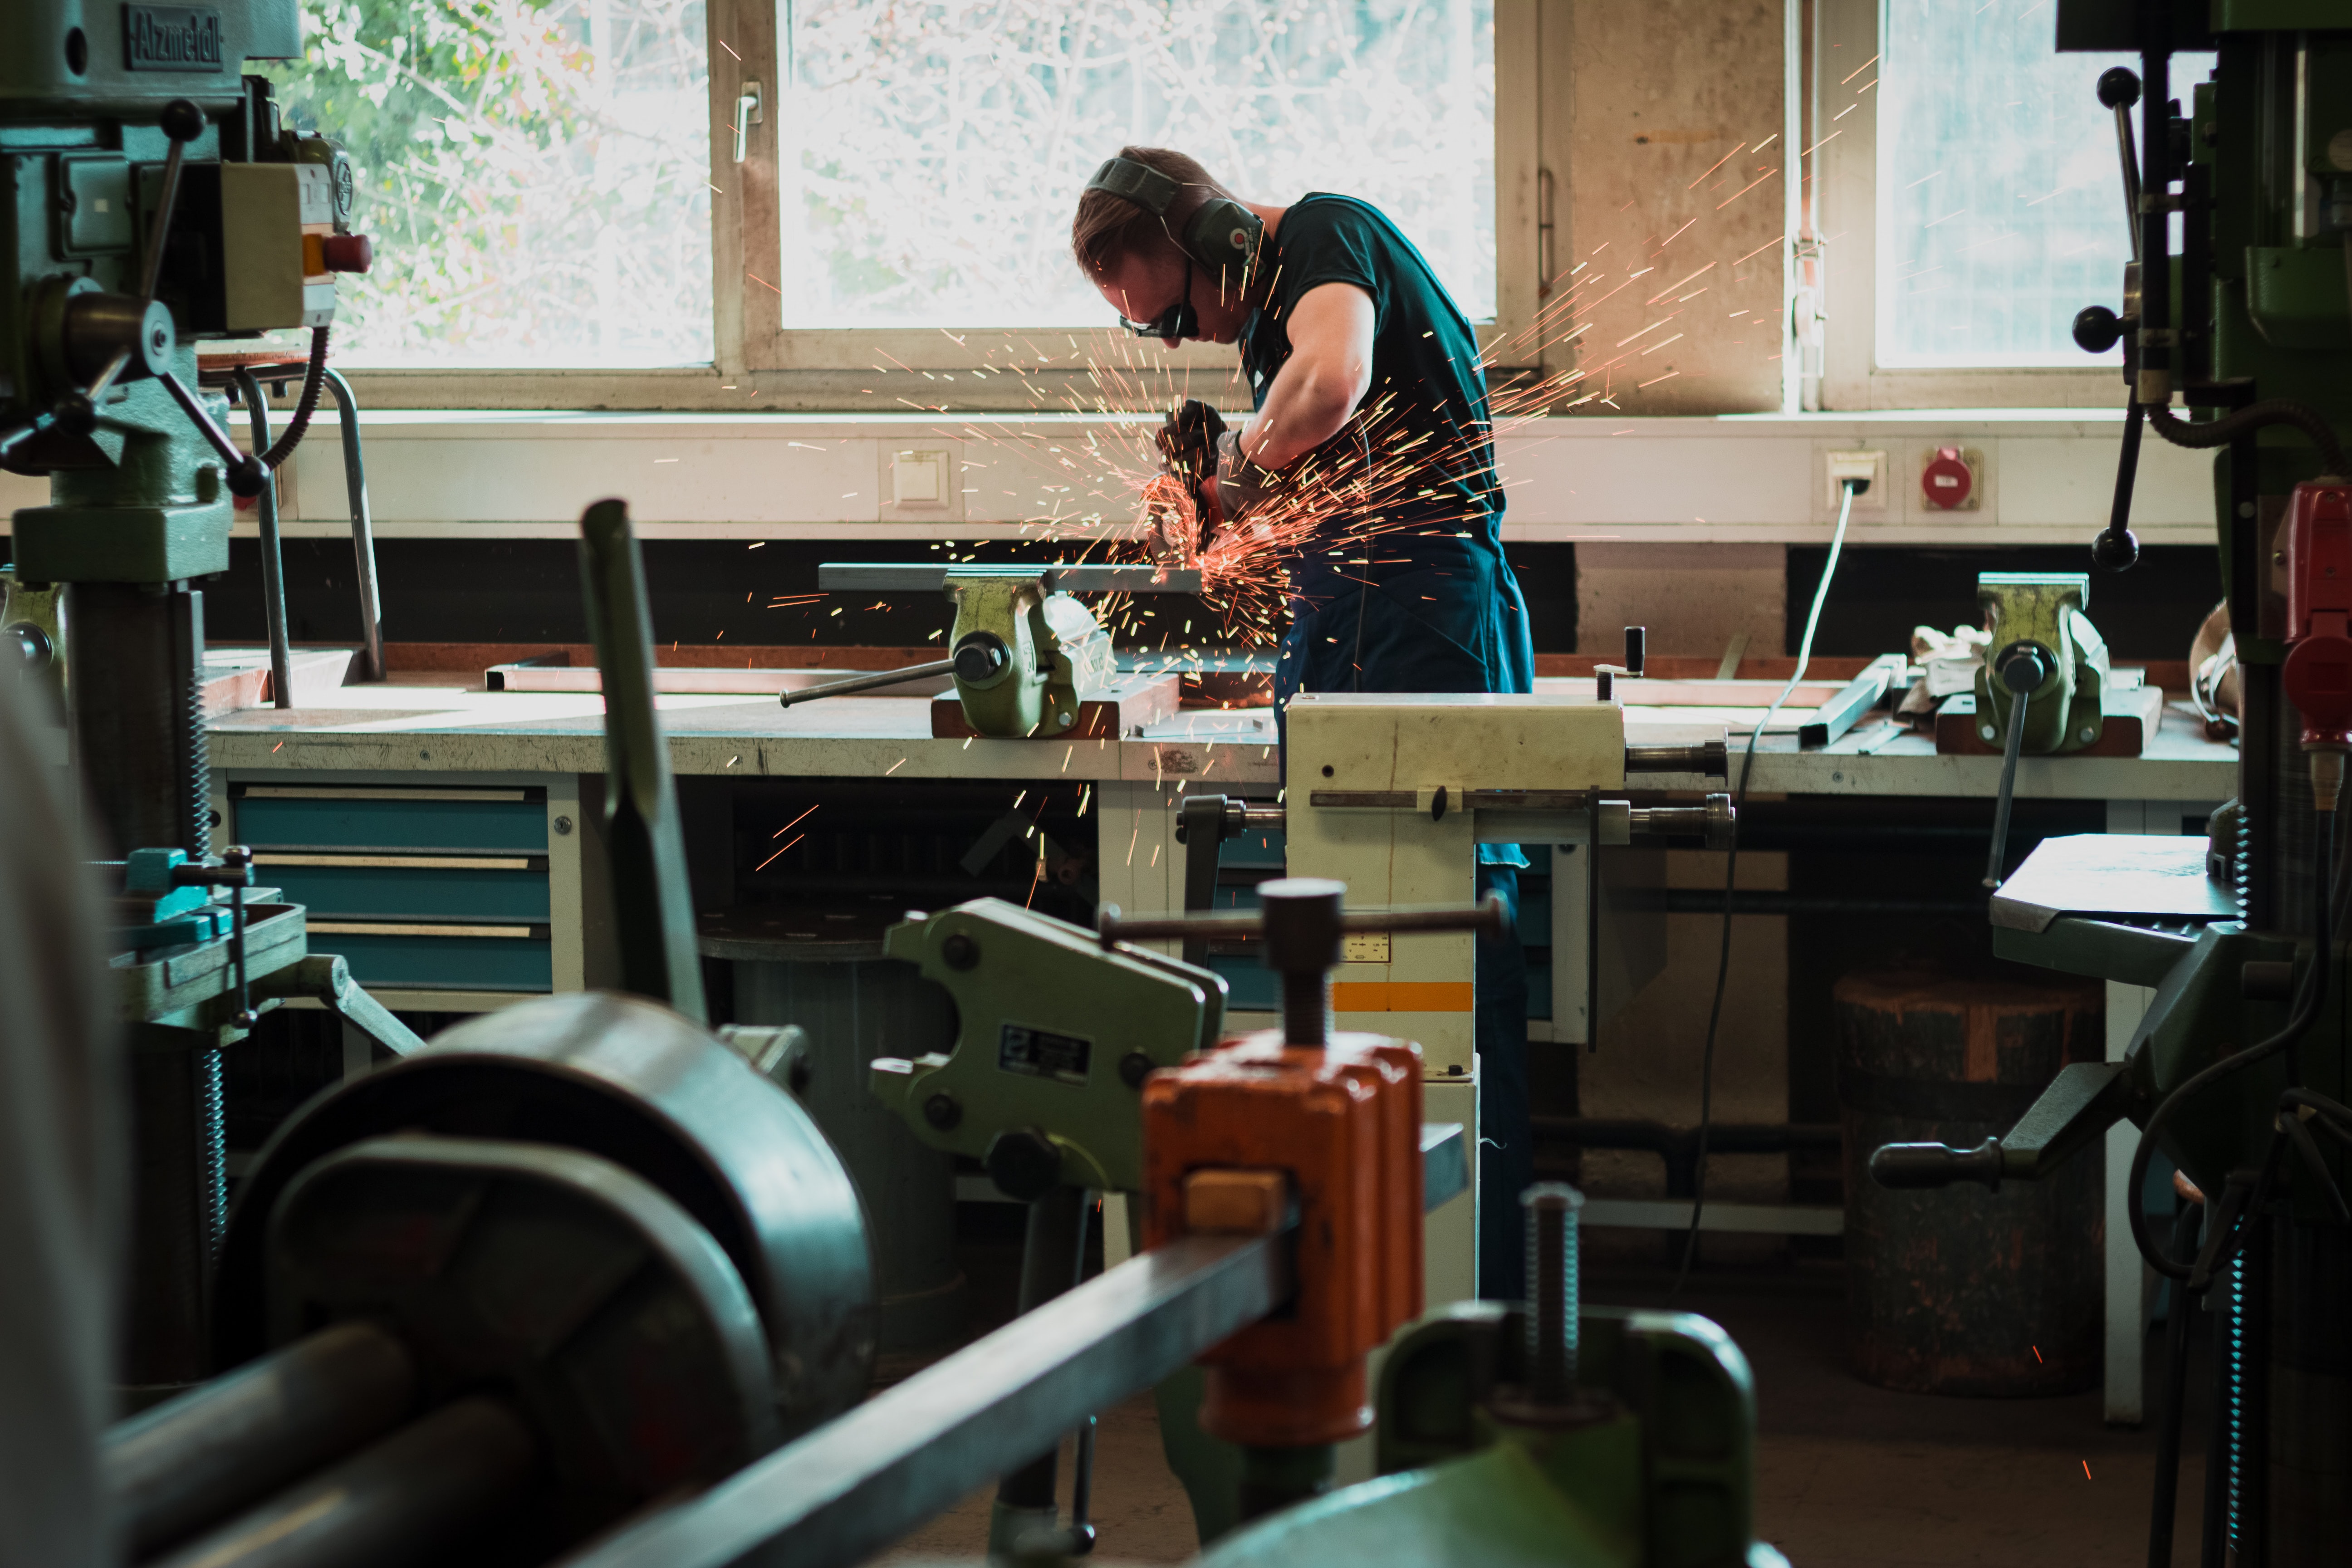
x=1136, y=259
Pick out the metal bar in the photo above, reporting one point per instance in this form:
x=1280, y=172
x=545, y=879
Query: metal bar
x=653, y=908
x=221, y=1445
x=841, y=1493
x=1761, y=901
x=402, y=1501
x=273, y=564
x=1999, y=852
x=347, y=410
x=863, y=576
x=1491, y=916
x=1674, y=1214
x=868, y=682
x=1833, y=718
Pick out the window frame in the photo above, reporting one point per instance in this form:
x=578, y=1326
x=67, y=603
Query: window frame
x=1846, y=179
x=759, y=364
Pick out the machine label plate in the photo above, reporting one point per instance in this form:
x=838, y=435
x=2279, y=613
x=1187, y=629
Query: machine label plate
x=172, y=39
x=1040, y=1053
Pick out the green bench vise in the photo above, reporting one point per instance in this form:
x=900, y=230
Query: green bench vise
x=1054, y=1038
x=1023, y=652
x=2045, y=651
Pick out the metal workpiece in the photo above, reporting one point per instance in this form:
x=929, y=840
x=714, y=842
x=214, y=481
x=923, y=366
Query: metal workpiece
x=874, y=682
x=1054, y=1038
x=639, y=1085
x=838, y=1495
x=407, y=1501
x=184, y=1464
x=652, y=907
x=1099, y=577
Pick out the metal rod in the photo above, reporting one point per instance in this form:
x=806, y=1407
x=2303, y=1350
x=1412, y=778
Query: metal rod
x=347, y=411
x=1491, y=916
x=404, y=1501
x=273, y=564
x=1999, y=853
x=207, y=426
x=837, y=1496
x=2129, y=155
x=215, y=1450
x=653, y=906
x=151, y=274
x=880, y=677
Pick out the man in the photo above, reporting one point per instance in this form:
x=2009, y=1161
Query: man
x=1371, y=416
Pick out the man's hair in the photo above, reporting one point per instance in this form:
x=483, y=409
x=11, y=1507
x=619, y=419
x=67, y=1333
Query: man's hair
x=1109, y=228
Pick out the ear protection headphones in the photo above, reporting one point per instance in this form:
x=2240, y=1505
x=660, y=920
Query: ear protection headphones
x=1220, y=234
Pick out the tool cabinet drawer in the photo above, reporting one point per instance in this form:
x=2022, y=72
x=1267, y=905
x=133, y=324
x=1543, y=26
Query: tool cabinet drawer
x=410, y=887
x=390, y=817
x=438, y=888
x=440, y=956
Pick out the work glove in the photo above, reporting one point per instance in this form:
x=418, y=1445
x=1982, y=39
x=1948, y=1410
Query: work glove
x=1188, y=442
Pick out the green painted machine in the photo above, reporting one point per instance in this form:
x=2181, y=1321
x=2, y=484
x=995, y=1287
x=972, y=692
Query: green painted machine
x=1543, y=1435
x=1025, y=654
x=2239, y=1071
x=150, y=199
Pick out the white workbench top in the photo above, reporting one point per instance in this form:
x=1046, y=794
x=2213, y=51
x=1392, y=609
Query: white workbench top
x=434, y=724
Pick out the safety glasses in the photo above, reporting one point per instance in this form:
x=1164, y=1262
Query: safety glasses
x=1179, y=321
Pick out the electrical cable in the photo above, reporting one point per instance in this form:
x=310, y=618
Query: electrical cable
x=2221, y=432
x=1847, y=491
x=2310, y=994
x=314, y=377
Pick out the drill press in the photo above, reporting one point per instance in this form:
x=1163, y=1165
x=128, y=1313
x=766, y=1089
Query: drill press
x=153, y=199
x=2239, y=1070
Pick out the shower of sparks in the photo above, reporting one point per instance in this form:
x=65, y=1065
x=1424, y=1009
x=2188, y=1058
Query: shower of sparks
x=1101, y=493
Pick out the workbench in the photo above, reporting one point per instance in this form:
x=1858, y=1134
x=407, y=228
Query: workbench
x=442, y=733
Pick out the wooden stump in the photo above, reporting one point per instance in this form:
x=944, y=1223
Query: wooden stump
x=1962, y=1291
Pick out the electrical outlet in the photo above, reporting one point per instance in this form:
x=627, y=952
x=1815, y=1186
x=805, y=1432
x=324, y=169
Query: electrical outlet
x=919, y=484
x=1840, y=467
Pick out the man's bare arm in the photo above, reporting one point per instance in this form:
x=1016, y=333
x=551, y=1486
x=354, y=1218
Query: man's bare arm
x=1328, y=374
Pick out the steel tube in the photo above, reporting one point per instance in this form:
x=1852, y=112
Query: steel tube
x=273, y=562
x=403, y=1501
x=347, y=411
x=217, y=1448
x=846, y=1490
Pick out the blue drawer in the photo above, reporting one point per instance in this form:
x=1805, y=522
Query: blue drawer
x=1250, y=986
x=334, y=816
x=498, y=888
x=521, y=962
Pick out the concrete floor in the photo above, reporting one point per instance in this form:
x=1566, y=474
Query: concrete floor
x=1848, y=1476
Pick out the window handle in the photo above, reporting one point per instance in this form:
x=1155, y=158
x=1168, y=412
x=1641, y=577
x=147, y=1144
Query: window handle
x=747, y=115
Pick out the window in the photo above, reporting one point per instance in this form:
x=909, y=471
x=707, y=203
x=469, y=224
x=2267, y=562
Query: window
x=565, y=208
x=2001, y=208
x=1963, y=201
x=533, y=172
x=931, y=152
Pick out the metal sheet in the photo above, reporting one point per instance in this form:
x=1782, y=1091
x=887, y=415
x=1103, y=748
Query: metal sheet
x=844, y=1491
x=2134, y=875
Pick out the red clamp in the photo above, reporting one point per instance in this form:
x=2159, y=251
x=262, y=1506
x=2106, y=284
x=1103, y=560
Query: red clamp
x=2317, y=676
x=1297, y=1123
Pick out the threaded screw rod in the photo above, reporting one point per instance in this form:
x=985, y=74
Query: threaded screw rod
x=1551, y=1317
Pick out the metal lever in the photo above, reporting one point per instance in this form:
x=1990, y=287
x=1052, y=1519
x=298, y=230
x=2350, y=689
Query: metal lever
x=2118, y=91
x=1202, y=825
x=650, y=895
x=236, y=873
x=1911, y=1165
x=747, y=115
x=245, y=474
x=1491, y=917
x=865, y=682
x=2021, y=668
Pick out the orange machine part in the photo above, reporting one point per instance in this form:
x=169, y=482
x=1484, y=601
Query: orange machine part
x=1343, y=1122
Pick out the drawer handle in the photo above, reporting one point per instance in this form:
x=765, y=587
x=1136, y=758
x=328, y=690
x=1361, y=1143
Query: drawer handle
x=391, y=928
x=408, y=862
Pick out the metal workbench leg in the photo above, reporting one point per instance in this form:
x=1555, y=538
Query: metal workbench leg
x=273, y=563
x=347, y=410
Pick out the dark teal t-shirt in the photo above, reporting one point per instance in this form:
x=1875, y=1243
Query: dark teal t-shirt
x=1425, y=413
